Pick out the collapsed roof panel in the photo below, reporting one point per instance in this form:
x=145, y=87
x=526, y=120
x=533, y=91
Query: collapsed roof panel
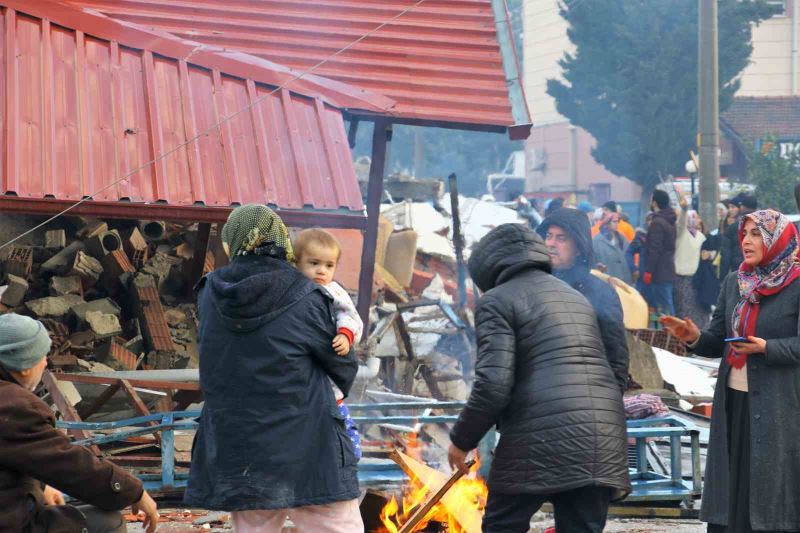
x=88, y=99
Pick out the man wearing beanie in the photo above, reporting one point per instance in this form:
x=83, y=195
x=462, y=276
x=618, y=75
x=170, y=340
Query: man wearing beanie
x=37, y=461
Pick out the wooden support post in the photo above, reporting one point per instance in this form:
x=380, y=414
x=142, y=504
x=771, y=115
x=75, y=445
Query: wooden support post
x=195, y=271
x=138, y=405
x=426, y=507
x=66, y=409
x=380, y=139
x=458, y=240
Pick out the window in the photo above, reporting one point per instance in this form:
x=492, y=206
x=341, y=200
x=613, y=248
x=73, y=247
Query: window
x=779, y=6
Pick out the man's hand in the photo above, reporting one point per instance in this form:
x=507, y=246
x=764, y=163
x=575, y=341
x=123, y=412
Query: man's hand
x=52, y=496
x=685, y=330
x=756, y=345
x=148, y=507
x=601, y=267
x=648, y=278
x=457, y=458
x=341, y=344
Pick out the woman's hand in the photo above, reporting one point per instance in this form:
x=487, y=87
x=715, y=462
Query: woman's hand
x=686, y=330
x=457, y=458
x=756, y=345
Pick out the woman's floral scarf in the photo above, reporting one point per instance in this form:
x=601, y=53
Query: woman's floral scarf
x=777, y=269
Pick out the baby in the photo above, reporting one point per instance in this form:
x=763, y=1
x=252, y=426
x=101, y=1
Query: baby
x=317, y=254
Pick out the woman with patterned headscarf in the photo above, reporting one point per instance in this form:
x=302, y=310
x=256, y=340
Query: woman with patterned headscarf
x=753, y=465
x=271, y=443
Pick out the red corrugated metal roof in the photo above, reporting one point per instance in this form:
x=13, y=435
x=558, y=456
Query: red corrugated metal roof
x=88, y=98
x=441, y=61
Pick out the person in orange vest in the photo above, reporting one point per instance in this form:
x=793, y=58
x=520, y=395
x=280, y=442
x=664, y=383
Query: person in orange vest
x=624, y=227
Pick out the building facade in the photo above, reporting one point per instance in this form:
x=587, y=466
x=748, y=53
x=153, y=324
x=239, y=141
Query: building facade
x=558, y=155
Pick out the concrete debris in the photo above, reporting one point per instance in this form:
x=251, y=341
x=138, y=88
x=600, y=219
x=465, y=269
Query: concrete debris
x=55, y=239
x=53, y=306
x=19, y=261
x=104, y=243
x=103, y=325
x=61, y=286
x=107, y=306
x=63, y=259
x=15, y=292
x=87, y=268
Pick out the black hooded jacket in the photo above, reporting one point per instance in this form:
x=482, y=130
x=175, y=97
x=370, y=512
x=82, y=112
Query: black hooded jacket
x=271, y=435
x=660, y=246
x=541, y=376
x=601, y=295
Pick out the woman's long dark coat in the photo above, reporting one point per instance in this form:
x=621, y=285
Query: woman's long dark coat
x=774, y=396
x=271, y=435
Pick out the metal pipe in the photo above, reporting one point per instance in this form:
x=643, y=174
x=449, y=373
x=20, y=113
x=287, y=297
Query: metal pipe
x=795, y=31
x=458, y=241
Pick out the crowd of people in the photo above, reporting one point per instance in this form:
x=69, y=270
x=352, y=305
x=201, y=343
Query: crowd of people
x=675, y=262
x=275, y=439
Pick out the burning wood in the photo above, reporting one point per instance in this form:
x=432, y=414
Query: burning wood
x=457, y=502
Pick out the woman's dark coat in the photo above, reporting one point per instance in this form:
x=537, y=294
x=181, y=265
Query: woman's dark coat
x=774, y=396
x=271, y=435
x=541, y=376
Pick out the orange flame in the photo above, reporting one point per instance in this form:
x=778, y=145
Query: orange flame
x=467, y=498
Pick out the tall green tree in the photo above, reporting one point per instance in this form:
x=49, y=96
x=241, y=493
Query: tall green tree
x=774, y=176
x=632, y=79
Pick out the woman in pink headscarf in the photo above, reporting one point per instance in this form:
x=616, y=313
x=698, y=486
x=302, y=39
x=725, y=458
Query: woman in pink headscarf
x=753, y=465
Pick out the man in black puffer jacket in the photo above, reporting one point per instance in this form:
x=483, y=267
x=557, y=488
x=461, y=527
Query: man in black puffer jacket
x=543, y=379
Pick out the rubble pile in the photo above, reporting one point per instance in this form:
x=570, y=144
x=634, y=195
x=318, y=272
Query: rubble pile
x=112, y=294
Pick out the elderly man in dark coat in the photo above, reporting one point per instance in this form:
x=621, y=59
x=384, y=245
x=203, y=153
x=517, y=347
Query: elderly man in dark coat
x=272, y=442
x=37, y=461
x=543, y=379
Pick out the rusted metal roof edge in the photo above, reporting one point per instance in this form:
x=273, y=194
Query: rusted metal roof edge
x=233, y=63
x=299, y=218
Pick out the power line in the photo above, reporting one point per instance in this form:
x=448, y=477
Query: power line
x=214, y=126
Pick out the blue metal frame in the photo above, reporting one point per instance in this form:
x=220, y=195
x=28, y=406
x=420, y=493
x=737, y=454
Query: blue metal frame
x=647, y=485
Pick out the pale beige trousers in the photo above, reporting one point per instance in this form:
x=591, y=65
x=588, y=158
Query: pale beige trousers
x=338, y=517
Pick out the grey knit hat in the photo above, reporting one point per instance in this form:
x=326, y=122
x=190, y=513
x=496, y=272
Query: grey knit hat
x=23, y=342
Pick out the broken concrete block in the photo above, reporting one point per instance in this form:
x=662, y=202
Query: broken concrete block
x=69, y=391
x=60, y=286
x=103, y=325
x=159, y=267
x=53, y=306
x=104, y=243
x=88, y=268
x=63, y=259
x=92, y=228
x=19, y=261
x=14, y=295
x=153, y=230
x=107, y=306
x=55, y=239
x=91, y=366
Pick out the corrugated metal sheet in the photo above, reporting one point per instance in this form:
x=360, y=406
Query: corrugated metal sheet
x=441, y=61
x=87, y=98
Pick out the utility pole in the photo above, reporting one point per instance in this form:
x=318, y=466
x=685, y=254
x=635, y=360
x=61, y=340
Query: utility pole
x=708, y=110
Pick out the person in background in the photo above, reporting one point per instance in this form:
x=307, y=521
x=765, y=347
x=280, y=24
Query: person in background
x=609, y=250
x=730, y=252
x=552, y=205
x=541, y=377
x=567, y=235
x=624, y=227
x=797, y=201
x=754, y=452
x=37, y=461
x=659, y=270
x=636, y=256
x=586, y=208
x=688, y=247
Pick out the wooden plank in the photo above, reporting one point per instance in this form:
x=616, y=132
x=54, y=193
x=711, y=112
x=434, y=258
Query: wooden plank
x=66, y=409
x=100, y=401
x=434, y=498
x=138, y=404
x=140, y=383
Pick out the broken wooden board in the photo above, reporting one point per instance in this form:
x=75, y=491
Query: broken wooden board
x=468, y=517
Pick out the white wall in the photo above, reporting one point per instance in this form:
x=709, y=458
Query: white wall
x=770, y=70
